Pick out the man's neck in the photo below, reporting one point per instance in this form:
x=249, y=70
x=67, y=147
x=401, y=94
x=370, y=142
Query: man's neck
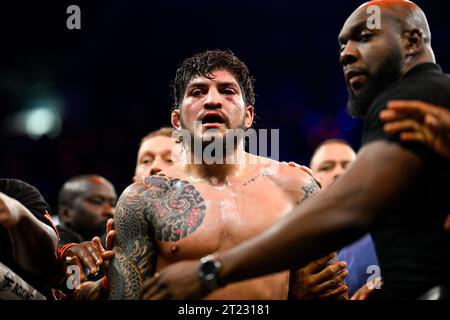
x=427, y=57
x=219, y=172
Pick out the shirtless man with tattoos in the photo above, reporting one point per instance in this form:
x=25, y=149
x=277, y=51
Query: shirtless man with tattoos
x=194, y=209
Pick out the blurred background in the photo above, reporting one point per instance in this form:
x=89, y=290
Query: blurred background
x=79, y=101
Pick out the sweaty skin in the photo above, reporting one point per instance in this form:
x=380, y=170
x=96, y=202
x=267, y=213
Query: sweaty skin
x=344, y=212
x=188, y=220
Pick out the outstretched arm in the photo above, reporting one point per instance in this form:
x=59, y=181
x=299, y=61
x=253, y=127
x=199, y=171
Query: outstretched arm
x=337, y=216
x=344, y=212
x=33, y=243
x=135, y=248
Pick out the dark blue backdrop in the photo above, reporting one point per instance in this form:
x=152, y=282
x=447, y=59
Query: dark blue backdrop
x=113, y=76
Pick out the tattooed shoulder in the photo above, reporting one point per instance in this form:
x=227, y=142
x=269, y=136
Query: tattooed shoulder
x=177, y=209
x=310, y=189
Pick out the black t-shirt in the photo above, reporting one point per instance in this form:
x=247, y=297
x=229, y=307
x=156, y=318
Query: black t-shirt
x=32, y=199
x=412, y=246
x=67, y=235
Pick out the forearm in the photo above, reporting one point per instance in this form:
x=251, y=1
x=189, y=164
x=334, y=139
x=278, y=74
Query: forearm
x=92, y=290
x=373, y=186
x=312, y=230
x=131, y=265
x=34, y=245
x=134, y=248
x=125, y=282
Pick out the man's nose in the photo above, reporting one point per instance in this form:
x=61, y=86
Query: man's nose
x=108, y=210
x=213, y=99
x=338, y=171
x=157, y=166
x=349, y=54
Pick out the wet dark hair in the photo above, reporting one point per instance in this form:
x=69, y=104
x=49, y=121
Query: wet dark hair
x=204, y=64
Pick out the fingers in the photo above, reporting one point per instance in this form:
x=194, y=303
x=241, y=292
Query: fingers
x=361, y=294
x=332, y=271
x=410, y=130
x=98, y=243
x=110, y=239
x=307, y=170
x=391, y=115
x=162, y=295
x=414, y=106
x=319, y=264
x=110, y=234
x=304, y=168
x=150, y=288
x=441, y=124
x=334, y=282
x=435, y=116
x=413, y=137
x=107, y=255
x=334, y=293
x=95, y=249
x=109, y=225
x=88, y=256
x=75, y=261
x=293, y=164
x=402, y=125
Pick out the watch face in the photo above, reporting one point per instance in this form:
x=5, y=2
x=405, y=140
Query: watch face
x=208, y=267
x=208, y=272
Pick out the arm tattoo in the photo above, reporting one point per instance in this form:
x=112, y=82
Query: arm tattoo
x=180, y=212
x=134, y=249
x=310, y=189
x=165, y=208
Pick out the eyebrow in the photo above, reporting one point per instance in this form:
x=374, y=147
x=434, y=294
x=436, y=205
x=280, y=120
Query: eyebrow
x=146, y=153
x=200, y=84
x=354, y=29
x=327, y=162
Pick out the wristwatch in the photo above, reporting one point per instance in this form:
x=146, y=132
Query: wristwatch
x=208, y=272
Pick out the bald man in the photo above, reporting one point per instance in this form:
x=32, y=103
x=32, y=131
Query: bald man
x=330, y=160
x=395, y=189
x=85, y=203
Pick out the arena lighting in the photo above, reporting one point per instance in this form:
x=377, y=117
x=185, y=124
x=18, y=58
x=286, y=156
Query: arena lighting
x=43, y=120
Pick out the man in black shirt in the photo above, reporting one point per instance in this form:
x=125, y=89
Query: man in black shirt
x=85, y=204
x=395, y=189
x=28, y=238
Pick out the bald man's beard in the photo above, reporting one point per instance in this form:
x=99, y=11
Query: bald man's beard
x=389, y=72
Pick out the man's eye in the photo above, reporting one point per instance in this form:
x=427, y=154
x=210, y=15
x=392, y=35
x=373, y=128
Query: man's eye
x=95, y=200
x=229, y=91
x=146, y=161
x=168, y=159
x=365, y=37
x=196, y=93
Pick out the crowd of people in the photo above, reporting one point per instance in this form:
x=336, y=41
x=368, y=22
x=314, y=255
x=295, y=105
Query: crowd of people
x=226, y=224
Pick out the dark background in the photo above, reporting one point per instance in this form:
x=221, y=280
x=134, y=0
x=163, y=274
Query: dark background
x=111, y=79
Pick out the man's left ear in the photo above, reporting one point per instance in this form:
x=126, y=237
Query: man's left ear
x=175, y=119
x=249, y=116
x=413, y=42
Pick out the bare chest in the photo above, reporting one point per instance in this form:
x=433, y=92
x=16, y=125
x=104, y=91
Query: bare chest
x=196, y=220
